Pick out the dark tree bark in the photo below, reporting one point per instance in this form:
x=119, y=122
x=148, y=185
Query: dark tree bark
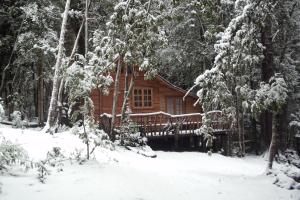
x=267, y=72
x=274, y=141
x=40, y=90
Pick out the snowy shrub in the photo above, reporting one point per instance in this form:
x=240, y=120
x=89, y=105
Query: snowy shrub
x=206, y=131
x=129, y=134
x=291, y=157
x=11, y=154
x=284, y=181
x=54, y=159
x=294, y=127
x=43, y=172
x=77, y=155
x=131, y=139
x=287, y=174
x=16, y=119
x=92, y=137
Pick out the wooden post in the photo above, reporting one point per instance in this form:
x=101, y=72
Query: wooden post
x=176, y=136
x=229, y=143
x=192, y=145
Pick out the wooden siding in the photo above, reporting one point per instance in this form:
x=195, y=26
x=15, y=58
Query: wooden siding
x=161, y=91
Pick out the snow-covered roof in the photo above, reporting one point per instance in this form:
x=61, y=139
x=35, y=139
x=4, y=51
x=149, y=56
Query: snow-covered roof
x=166, y=82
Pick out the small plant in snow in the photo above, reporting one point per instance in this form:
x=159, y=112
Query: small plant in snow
x=55, y=158
x=11, y=154
x=92, y=137
x=16, y=119
x=77, y=155
x=43, y=172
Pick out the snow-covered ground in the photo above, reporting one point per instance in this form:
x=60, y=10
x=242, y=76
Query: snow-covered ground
x=126, y=175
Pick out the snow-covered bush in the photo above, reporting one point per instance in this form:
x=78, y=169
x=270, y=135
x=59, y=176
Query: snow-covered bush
x=129, y=134
x=16, y=119
x=11, y=154
x=91, y=136
x=287, y=173
x=293, y=128
x=207, y=132
x=43, y=172
x=77, y=155
x=54, y=159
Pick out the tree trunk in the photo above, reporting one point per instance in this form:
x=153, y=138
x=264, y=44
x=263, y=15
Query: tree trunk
x=53, y=102
x=62, y=82
x=86, y=33
x=116, y=95
x=86, y=137
x=267, y=72
x=274, y=143
x=128, y=90
x=240, y=123
x=40, y=90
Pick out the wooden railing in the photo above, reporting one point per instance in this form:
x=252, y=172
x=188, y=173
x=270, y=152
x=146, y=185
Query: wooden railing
x=164, y=124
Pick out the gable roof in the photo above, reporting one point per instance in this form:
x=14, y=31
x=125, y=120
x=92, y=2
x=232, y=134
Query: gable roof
x=166, y=82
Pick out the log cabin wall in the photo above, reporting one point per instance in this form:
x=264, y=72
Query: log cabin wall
x=165, y=97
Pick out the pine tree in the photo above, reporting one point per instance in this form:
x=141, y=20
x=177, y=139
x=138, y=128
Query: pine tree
x=228, y=86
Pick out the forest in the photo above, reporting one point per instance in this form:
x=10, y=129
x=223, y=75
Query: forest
x=238, y=57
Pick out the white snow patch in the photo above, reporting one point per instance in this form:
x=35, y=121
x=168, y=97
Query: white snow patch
x=123, y=174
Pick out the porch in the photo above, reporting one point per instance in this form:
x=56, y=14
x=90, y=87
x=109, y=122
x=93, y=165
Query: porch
x=175, y=132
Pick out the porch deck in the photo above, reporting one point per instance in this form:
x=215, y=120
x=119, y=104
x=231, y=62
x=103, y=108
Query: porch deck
x=161, y=126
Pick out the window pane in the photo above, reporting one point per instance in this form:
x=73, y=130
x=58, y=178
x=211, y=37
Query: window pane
x=137, y=97
x=147, y=97
x=170, y=105
x=178, y=103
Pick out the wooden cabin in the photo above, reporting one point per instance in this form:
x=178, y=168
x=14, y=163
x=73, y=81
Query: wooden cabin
x=161, y=115
x=147, y=96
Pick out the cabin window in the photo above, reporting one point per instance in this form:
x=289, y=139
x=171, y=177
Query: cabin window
x=142, y=97
x=174, y=105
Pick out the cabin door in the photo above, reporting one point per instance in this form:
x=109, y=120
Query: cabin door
x=174, y=105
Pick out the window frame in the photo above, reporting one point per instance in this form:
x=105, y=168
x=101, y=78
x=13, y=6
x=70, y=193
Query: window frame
x=143, y=97
x=174, y=105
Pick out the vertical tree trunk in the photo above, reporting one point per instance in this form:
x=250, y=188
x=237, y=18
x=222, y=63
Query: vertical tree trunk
x=116, y=94
x=125, y=93
x=62, y=82
x=274, y=142
x=86, y=140
x=267, y=72
x=53, y=102
x=86, y=33
x=128, y=89
x=40, y=90
x=240, y=123
x=86, y=101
